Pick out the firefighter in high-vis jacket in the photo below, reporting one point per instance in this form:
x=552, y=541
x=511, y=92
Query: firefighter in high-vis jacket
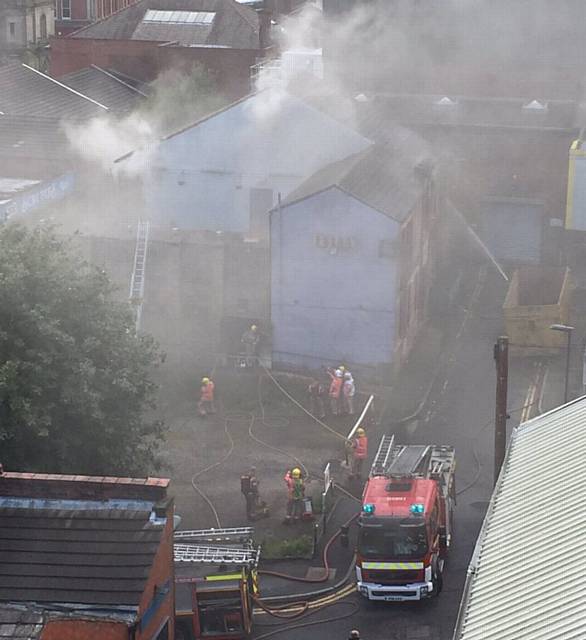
x=206, y=399
x=359, y=452
x=295, y=494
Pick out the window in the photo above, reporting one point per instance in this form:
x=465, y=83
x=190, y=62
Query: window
x=12, y=30
x=66, y=9
x=179, y=17
x=43, y=26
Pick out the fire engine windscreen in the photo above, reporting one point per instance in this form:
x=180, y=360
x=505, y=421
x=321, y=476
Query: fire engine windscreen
x=393, y=540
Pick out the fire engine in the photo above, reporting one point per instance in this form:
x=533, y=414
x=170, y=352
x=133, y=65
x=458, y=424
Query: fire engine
x=406, y=522
x=215, y=583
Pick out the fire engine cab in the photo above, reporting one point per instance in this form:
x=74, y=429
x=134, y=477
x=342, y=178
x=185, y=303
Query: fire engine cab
x=405, y=527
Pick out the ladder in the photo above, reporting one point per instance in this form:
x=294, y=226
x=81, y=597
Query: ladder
x=241, y=534
x=216, y=555
x=407, y=461
x=381, y=459
x=138, y=270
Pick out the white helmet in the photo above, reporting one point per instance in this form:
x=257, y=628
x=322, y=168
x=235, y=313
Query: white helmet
x=338, y=373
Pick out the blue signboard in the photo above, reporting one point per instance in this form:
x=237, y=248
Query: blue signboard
x=37, y=196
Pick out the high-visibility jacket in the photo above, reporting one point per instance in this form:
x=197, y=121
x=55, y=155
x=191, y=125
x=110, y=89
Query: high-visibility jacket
x=335, y=387
x=295, y=487
x=207, y=392
x=361, y=447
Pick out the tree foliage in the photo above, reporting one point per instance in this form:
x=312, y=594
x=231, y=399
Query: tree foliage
x=75, y=380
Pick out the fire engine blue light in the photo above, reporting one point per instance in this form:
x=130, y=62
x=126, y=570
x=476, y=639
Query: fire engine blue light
x=368, y=509
x=417, y=508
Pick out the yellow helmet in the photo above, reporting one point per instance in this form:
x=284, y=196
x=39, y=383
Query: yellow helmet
x=342, y=368
x=205, y=380
x=253, y=327
x=296, y=473
x=360, y=432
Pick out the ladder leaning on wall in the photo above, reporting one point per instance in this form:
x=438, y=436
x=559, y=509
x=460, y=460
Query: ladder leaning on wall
x=136, y=296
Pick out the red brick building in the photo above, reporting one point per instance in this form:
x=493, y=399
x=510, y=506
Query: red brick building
x=150, y=36
x=87, y=557
x=71, y=15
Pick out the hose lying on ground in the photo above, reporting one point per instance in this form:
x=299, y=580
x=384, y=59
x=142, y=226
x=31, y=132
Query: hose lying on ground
x=354, y=609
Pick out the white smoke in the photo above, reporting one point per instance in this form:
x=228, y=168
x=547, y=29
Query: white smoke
x=103, y=140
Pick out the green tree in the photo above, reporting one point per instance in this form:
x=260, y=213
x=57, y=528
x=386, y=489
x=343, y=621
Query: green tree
x=75, y=380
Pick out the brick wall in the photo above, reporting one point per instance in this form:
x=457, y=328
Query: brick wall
x=84, y=630
x=150, y=616
x=145, y=60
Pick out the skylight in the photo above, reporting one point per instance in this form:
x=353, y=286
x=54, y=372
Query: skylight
x=179, y=17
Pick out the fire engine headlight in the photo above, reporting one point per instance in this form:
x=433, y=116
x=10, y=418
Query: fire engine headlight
x=423, y=591
x=364, y=591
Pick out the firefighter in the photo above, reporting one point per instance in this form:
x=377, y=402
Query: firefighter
x=316, y=394
x=359, y=452
x=335, y=390
x=249, y=486
x=295, y=494
x=250, y=339
x=348, y=391
x=206, y=398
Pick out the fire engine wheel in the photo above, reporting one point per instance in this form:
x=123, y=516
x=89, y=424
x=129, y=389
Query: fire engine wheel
x=437, y=580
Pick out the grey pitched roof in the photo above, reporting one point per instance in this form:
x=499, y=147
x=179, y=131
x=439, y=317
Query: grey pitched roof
x=104, y=87
x=75, y=555
x=235, y=26
x=33, y=137
x=524, y=576
x=26, y=92
x=383, y=177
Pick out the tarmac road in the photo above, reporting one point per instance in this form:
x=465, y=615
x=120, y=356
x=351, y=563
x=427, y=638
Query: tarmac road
x=460, y=412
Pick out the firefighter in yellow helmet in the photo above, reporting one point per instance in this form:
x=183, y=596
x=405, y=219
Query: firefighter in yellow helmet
x=206, y=399
x=295, y=494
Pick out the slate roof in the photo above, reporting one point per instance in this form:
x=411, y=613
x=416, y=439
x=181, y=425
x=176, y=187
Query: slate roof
x=20, y=623
x=26, y=92
x=382, y=177
x=75, y=556
x=105, y=88
x=525, y=576
x=235, y=26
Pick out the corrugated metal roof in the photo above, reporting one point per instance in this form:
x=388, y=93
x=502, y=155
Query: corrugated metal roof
x=526, y=575
x=104, y=87
x=26, y=92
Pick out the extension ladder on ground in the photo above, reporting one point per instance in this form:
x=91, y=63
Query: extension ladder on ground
x=216, y=555
x=238, y=534
x=139, y=267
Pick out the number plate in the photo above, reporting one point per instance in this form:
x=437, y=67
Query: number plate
x=393, y=598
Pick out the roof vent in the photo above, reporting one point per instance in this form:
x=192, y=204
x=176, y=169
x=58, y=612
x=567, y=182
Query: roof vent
x=446, y=102
x=535, y=105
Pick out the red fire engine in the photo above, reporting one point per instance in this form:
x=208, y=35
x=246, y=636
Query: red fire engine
x=406, y=521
